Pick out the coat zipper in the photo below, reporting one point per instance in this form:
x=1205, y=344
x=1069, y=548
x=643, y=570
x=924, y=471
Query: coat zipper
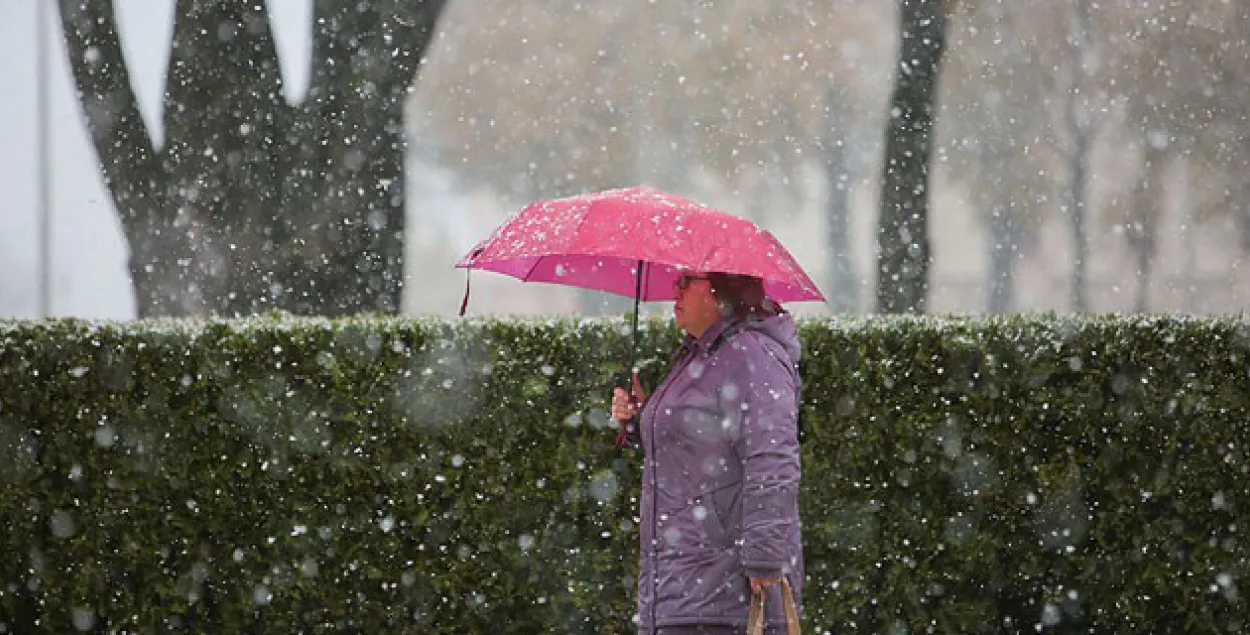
x=663, y=390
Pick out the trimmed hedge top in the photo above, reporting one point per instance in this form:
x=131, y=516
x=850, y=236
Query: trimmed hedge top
x=961, y=474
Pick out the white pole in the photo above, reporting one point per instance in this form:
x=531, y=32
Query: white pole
x=43, y=105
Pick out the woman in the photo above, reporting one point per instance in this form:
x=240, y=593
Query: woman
x=720, y=486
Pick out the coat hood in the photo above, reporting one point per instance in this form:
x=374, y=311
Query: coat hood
x=780, y=329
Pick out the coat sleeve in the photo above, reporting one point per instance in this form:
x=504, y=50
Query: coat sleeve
x=768, y=446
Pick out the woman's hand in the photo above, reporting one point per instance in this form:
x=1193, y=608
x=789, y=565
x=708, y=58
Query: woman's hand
x=623, y=409
x=624, y=405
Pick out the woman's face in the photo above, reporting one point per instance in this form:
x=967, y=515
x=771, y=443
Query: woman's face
x=695, y=308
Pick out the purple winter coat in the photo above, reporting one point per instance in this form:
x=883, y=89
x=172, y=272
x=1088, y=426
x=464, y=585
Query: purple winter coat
x=721, y=477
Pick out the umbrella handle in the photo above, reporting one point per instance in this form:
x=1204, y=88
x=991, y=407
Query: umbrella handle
x=627, y=428
x=464, y=304
x=633, y=351
x=623, y=435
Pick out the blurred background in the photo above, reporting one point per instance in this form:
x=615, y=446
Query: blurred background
x=1087, y=156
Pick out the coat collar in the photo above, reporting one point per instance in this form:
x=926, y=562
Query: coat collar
x=707, y=342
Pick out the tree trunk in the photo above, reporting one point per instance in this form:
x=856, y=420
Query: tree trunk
x=254, y=203
x=1141, y=296
x=902, y=232
x=1142, y=231
x=1078, y=176
x=1083, y=122
x=1004, y=243
x=844, y=291
x=1189, y=230
x=1242, y=219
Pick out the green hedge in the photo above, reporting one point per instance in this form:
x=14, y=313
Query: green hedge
x=302, y=475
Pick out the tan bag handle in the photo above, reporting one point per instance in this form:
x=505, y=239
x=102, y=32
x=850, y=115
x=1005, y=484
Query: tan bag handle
x=756, y=616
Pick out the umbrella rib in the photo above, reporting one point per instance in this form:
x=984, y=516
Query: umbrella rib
x=537, y=259
x=646, y=281
x=573, y=239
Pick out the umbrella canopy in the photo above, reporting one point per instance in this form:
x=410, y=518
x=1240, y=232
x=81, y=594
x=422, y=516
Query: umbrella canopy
x=635, y=242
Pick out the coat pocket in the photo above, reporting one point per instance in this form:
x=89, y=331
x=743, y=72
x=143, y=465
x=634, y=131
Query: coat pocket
x=713, y=512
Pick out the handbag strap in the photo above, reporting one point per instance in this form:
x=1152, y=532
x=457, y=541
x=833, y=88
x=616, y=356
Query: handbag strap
x=792, y=611
x=756, y=616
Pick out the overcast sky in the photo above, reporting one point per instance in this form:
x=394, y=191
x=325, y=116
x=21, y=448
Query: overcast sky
x=88, y=255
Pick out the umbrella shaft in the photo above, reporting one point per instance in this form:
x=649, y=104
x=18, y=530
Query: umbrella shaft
x=637, y=302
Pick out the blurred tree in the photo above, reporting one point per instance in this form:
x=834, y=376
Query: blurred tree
x=1219, y=54
x=1183, y=71
x=1142, y=231
x=902, y=231
x=1081, y=114
x=727, y=97
x=1036, y=117
x=601, y=93
x=836, y=141
x=252, y=202
x=995, y=134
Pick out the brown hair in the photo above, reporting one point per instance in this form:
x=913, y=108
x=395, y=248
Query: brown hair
x=742, y=296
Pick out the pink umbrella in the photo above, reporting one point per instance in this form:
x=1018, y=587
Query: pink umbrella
x=635, y=242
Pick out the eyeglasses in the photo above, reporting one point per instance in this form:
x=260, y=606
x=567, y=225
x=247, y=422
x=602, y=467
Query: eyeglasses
x=685, y=280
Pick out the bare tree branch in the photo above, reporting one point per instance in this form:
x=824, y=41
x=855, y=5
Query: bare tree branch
x=365, y=59
x=131, y=169
x=226, y=121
